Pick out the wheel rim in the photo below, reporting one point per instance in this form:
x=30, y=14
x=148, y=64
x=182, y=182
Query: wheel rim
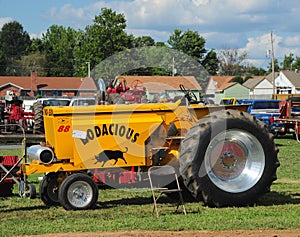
x=80, y=194
x=234, y=160
x=30, y=192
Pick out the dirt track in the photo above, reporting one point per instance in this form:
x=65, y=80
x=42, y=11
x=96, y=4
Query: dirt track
x=142, y=233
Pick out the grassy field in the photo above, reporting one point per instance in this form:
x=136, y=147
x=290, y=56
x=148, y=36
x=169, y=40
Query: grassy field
x=132, y=209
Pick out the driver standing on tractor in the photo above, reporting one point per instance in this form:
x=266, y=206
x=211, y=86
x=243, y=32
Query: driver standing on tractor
x=121, y=87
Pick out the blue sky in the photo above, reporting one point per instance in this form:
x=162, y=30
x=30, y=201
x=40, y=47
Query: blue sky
x=223, y=23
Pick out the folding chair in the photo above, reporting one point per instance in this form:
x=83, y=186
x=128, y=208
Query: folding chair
x=159, y=178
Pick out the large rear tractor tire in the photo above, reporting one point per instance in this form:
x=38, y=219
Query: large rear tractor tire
x=228, y=158
x=78, y=192
x=38, y=127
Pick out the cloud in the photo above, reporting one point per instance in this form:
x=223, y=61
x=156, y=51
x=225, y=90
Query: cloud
x=292, y=41
x=202, y=15
x=259, y=48
x=4, y=20
x=260, y=45
x=231, y=23
x=68, y=14
x=158, y=35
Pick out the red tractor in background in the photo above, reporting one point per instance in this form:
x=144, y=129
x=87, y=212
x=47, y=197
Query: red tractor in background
x=13, y=116
x=290, y=115
x=120, y=93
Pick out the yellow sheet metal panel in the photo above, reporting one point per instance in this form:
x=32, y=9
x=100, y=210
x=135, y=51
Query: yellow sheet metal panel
x=111, y=144
x=58, y=133
x=88, y=135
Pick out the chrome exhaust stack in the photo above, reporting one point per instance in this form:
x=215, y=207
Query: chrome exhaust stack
x=42, y=153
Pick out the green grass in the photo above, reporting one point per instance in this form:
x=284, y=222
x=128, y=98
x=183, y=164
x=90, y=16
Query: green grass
x=132, y=209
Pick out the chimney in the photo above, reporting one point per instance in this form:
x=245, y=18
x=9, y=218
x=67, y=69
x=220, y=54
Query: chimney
x=34, y=83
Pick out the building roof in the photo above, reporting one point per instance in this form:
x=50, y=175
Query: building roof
x=49, y=83
x=251, y=83
x=222, y=82
x=20, y=82
x=156, y=84
x=226, y=85
x=269, y=76
x=292, y=76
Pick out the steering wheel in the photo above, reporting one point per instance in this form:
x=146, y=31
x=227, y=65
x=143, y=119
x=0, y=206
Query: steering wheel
x=190, y=95
x=137, y=84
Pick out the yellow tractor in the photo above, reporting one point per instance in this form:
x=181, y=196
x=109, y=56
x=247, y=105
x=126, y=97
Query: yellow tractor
x=224, y=156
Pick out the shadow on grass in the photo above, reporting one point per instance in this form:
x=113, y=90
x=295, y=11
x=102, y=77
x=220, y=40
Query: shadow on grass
x=270, y=199
x=135, y=201
x=26, y=209
x=275, y=198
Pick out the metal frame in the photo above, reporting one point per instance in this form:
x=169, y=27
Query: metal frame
x=158, y=190
x=8, y=173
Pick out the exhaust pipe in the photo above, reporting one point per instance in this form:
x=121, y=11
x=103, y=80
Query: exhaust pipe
x=42, y=153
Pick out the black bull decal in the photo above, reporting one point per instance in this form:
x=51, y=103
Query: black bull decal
x=107, y=155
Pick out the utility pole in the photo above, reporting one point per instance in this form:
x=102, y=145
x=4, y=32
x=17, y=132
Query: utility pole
x=173, y=67
x=273, y=65
x=89, y=69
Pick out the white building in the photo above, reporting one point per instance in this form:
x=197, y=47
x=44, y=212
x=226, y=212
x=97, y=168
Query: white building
x=260, y=88
x=287, y=82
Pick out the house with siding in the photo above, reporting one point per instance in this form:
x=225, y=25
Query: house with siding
x=219, y=87
x=232, y=89
x=287, y=82
x=260, y=87
x=33, y=85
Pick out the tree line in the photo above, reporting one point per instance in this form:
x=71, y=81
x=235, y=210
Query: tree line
x=63, y=51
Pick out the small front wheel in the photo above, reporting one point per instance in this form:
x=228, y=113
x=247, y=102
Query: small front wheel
x=30, y=191
x=78, y=192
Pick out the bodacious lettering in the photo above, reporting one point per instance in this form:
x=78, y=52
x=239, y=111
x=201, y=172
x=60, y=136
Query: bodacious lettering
x=111, y=130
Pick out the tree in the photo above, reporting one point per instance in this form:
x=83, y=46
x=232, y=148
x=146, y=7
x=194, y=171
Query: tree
x=82, y=54
x=296, y=64
x=189, y=42
x=14, y=42
x=100, y=40
x=238, y=79
x=210, y=62
x=108, y=33
x=231, y=61
x=58, y=44
x=2, y=62
x=36, y=46
x=192, y=44
x=276, y=66
x=160, y=44
x=33, y=62
x=256, y=71
x=143, y=41
x=288, y=62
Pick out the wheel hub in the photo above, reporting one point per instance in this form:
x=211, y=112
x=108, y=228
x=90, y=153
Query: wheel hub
x=228, y=160
x=80, y=194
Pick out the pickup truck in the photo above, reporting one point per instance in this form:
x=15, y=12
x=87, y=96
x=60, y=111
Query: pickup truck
x=76, y=101
x=266, y=111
